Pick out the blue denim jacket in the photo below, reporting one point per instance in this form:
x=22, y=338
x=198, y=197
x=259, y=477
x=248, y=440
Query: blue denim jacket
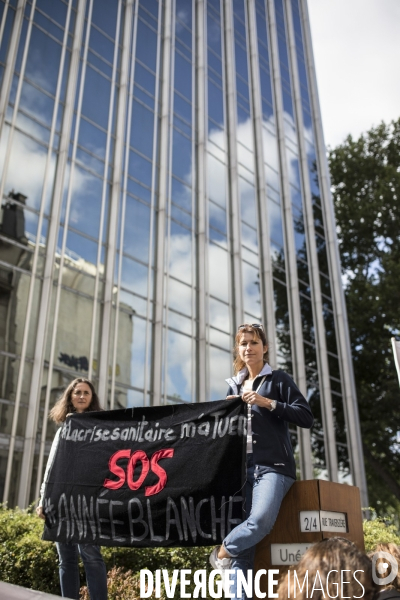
x=272, y=448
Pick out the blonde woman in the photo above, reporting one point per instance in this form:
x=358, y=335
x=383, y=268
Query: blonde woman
x=80, y=396
x=273, y=401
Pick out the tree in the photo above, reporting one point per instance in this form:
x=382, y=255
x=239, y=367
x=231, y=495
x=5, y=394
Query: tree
x=366, y=190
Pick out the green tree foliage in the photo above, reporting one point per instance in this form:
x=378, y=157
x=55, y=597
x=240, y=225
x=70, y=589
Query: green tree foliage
x=377, y=531
x=366, y=189
x=24, y=558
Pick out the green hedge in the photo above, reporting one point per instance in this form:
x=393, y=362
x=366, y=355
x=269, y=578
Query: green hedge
x=24, y=558
x=379, y=531
x=28, y=561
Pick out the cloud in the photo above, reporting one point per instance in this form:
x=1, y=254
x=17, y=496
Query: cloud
x=27, y=164
x=356, y=47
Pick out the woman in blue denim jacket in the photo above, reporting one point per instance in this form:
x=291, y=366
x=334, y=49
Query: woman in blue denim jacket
x=273, y=401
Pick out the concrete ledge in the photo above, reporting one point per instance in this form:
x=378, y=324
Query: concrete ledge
x=8, y=591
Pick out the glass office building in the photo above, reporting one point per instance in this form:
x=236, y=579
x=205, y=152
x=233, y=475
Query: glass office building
x=163, y=180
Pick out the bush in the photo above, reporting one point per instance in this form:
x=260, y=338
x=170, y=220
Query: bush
x=25, y=559
x=136, y=559
x=28, y=561
x=379, y=531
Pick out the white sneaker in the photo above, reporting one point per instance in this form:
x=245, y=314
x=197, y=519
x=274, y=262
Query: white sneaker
x=219, y=563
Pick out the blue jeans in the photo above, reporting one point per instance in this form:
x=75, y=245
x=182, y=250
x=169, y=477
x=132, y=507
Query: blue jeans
x=96, y=573
x=264, y=494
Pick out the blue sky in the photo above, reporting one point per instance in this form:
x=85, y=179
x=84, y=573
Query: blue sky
x=357, y=54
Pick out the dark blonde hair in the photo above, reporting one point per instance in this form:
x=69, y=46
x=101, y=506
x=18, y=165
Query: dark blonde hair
x=332, y=556
x=394, y=550
x=64, y=405
x=257, y=332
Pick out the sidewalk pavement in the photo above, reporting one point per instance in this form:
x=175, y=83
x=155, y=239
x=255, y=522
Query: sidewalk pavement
x=9, y=591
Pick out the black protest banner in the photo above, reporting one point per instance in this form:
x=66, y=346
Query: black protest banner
x=147, y=477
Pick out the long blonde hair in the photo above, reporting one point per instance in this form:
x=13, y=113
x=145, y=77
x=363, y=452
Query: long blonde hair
x=257, y=332
x=64, y=405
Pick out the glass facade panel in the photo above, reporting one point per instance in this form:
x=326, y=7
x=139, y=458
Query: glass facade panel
x=220, y=362
x=218, y=272
x=179, y=367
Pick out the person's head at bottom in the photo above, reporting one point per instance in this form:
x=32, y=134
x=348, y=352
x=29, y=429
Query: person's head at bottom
x=333, y=568
x=386, y=555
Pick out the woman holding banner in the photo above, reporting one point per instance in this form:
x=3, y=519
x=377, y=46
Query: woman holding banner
x=273, y=401
x=80, y=396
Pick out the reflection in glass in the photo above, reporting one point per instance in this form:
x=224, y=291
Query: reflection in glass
x=179, y=296
x=140, y=168
x=216, y=180
x=82, y=247
x=219, y=315
x=182, y=107
x=220, y=368
x=182, y=157
x=142, y=127
x=136, y=304
x=179, y=366
x=249, y=237
x=220, y=339
x=180, y=253
x=218, y=279
x=146, y=45
x=217, y=218
x=43, y=60
x=92, y=138
x=134, y=276
x=102, y=44
x=37, y=103
x=299, y=234
x=96, y=86
x=180, y=323
x=248, y=202
x=215, y=103
x=29, y=180
x=181, y=194
x=145, y=78
x=181, y=216
x=270, y=149
x=275, y=223
x=251, y=289
x=272, y=179
x=137, y=229
x=183, y=76
x=131, y=351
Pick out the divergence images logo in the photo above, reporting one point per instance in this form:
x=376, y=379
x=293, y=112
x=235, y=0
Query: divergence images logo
x=385, y=559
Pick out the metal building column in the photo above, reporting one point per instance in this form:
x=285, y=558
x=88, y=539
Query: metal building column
x=316, y=298
x=267, y=289
x=69, y=184
x=47, y=286
x=115, y=198
x=296, y=333
x=201, y=198
x=162, y=205
x=10, y=61
x=233, y=183
x=342, y=330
